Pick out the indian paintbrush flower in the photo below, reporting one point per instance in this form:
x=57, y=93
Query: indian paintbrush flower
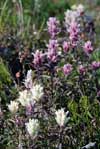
x=67, y=68
x=52, y=50
x=32, y=127
x=38, y=58
x=81, y=69
x=25, y=98
x=53, y=26
x=37, y=92
x=13, y=106
x=88, y=49
x=66, y=46
x=95, y=65
x=28, y=80
x=61, y=117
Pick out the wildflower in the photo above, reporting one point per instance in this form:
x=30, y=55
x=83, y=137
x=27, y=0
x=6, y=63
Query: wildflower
x=52, y=56
x=19, y=120
x=66, y=46
x=88, y=49
x=67, y=68
x=13, y=106
x=81, y=69
x=53, y=26
x=74, y=32
x=37, y=92
x=80, y=9
x=29, y=74
x=52, y=50
x=38, y=58
x=32, y=127
x=25, y=98
x=53, y=44
x=70, y=16
x=29, y=110
x=95, y=65
x=61, y=117
x=28, y=81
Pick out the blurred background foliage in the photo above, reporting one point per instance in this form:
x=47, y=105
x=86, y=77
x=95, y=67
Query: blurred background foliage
x=22, y=15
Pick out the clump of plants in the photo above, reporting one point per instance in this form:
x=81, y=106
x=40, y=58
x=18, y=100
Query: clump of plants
x=7, y=89
x=58, y=104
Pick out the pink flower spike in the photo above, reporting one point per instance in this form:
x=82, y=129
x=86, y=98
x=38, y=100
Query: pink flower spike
x=38, y=58
x=66, y=46
x=88, y=49
x=53, y=26
x=67, y=68
x=95, y=65
x=82, y=69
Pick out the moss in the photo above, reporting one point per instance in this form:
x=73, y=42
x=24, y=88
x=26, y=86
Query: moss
x=4, y=74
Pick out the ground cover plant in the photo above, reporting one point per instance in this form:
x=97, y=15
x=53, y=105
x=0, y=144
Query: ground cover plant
x=57, y=86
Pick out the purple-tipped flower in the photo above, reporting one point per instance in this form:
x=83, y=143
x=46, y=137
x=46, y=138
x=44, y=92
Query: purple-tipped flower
x=53, y=26
x=29, y=109
x=38, y=58
x=28, y=80
x=52, y=50
x=66, y=46
x=88, y=49
x=67, y=68
x=52, y=56
x=95, y=65
x=19, y=121
x=53, y=44
x=81, y=69
x=74, y=33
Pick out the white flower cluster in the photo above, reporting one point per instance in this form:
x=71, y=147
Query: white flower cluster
x=31, y=96
x=61, y=117
x=28, y=81
x=37, y=92
x=25, y=98
x=32, y=93
x=32, y=127
x=13, y=106
x=73, y=15
x=79, y=8
x=70, y=16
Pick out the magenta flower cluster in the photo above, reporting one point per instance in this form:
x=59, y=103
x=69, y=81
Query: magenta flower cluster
x=66, y=46
x=38, y=58
x=74, y=33
x=95, y=65
x=82, y=69
x=67, y=68
x=52, y=50
x=88, y=49
x=53, y=27
x=53, y=46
